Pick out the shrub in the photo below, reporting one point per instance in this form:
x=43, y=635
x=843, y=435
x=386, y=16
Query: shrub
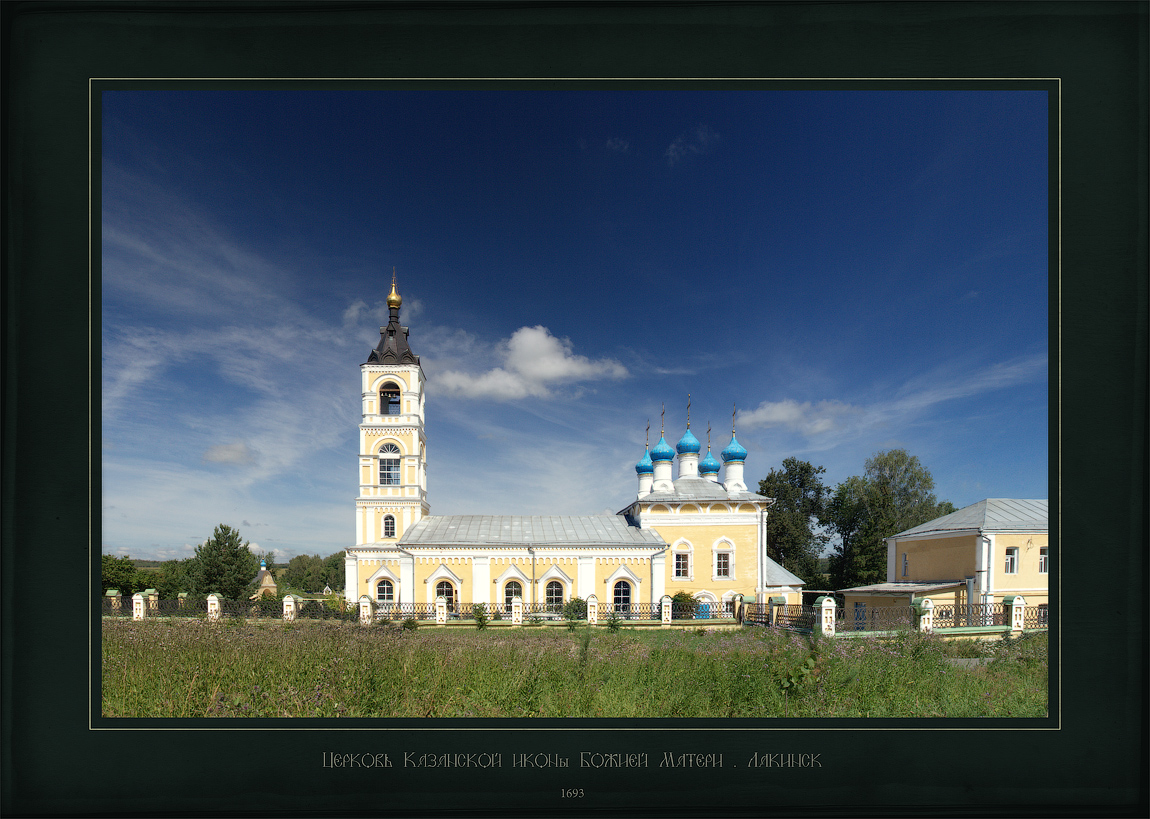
x=613, y=621
x=575, y=609
x=410, y=624
x=479, y=612
x=683, y=606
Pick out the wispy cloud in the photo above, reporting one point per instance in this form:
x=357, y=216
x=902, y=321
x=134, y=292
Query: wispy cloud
x=836, y=419
x=533, y=363
x=235, y=453
x=618, y=145
x=700, y=140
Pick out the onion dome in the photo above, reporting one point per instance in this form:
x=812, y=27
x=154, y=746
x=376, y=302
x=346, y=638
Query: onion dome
x=709, y=466
x=645, y=465
x=662, y=451
x=688, y=443
x=393, y=298
x=734, y=451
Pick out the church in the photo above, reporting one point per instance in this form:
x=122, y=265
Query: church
x=691, y=532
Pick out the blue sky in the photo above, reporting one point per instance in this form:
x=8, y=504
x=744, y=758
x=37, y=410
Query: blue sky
x=855, y=270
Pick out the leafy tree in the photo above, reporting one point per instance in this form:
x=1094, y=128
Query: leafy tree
x=895, y=493
x=224, y=564
x=304, y=572
x=683, y=605
x=121, y=573
x=173, y=577
x=333, y=571
x=800, y=504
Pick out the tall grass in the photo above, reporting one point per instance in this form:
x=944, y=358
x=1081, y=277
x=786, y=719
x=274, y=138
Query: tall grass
x=173, y=668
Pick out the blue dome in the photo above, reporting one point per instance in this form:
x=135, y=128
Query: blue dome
x=709, y=466
x=734, y=451
x=662, y=451
x=645, y=467
x=688, y=443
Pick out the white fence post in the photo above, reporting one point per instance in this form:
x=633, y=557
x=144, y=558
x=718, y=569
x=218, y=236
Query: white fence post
x=1017, y=613
x=441, y=611
x=365, y=610
x=289, y=608
x=826, y=615
x=138, y=608
x=592, y=609
x=114, y=596
x=516, y=611
x=773, y=604
x=924, y=608
x=213, y=607
x=666, y=610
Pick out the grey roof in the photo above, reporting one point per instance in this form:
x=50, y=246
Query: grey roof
x=906, y=587
x=525, y=530
x=990, y=515
x=689, y=489
x=778, y=576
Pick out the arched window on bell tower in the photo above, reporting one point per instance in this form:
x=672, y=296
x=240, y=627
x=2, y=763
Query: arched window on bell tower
x=389, y=526
x=389, y=399
x=389, y=465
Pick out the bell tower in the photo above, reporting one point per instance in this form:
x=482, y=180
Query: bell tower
x=392, y=443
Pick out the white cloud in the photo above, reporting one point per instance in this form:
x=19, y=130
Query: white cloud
x=237, y=453
x=698, y=141
x=534, y=361
x=834, y=418
x=807, y=418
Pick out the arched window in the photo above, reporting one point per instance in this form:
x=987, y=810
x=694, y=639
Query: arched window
x=554, y=595
x=445, y=590
x=388, y=526
x=384, y=592
x=622, y=596
x=389, y=399
x=510, y=591
x=389, y=465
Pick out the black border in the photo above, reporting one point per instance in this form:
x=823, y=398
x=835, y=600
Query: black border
x=53, y=764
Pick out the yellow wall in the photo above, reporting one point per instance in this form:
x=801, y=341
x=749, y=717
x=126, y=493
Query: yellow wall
x=950, y=558
x=702, y=538
x=1028, y=582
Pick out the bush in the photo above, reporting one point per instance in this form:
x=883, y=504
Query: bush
x=479, y=612
x=575, y=609
x=410, y=624
x=683, y=606
x=613, y=621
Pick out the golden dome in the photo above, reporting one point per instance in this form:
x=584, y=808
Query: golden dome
x=393, y=298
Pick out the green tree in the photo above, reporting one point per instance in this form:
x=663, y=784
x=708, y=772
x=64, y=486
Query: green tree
x=793, y=538
x=173, y=577
x=895, y=493
x=121, y=573
x=332, y=573
x=305, y=573
x=224, y=564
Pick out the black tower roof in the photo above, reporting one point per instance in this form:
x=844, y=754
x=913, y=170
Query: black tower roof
x=393, y=347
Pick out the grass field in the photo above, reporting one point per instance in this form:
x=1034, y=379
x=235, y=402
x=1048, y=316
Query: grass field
x=192, y=668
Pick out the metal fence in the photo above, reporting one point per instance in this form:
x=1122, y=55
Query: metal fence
x=875, y=618
x=405, y=611
x=976, y=614
x=1036, y=617
x=796, y=617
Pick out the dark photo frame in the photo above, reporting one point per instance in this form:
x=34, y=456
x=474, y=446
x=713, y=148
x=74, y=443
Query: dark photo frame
x=61, y=758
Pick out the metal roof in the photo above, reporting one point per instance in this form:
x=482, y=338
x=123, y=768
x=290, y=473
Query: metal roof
x=990, y=515
x=689, y=489
x=529, y=530
x=905, y=587
x=778, y=576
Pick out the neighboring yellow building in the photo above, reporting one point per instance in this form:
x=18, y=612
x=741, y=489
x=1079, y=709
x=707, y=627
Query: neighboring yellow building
x=979, y=555
x=691, y=533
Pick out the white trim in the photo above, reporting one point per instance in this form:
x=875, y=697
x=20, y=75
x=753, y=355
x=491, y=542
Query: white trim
x=729, y=550
x=683, y=546
x=512, y=572
x=555, y=573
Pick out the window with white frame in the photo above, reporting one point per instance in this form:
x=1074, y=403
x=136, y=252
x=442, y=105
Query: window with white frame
x=722, y=564
x=622, y=596
x=445, y=590
x=1012, y=560
x=388, y=526
x=554, y=595
x=1043, y=561
x=384, y=592
x=682, y=564
x=389, y=465
x=512, y=590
